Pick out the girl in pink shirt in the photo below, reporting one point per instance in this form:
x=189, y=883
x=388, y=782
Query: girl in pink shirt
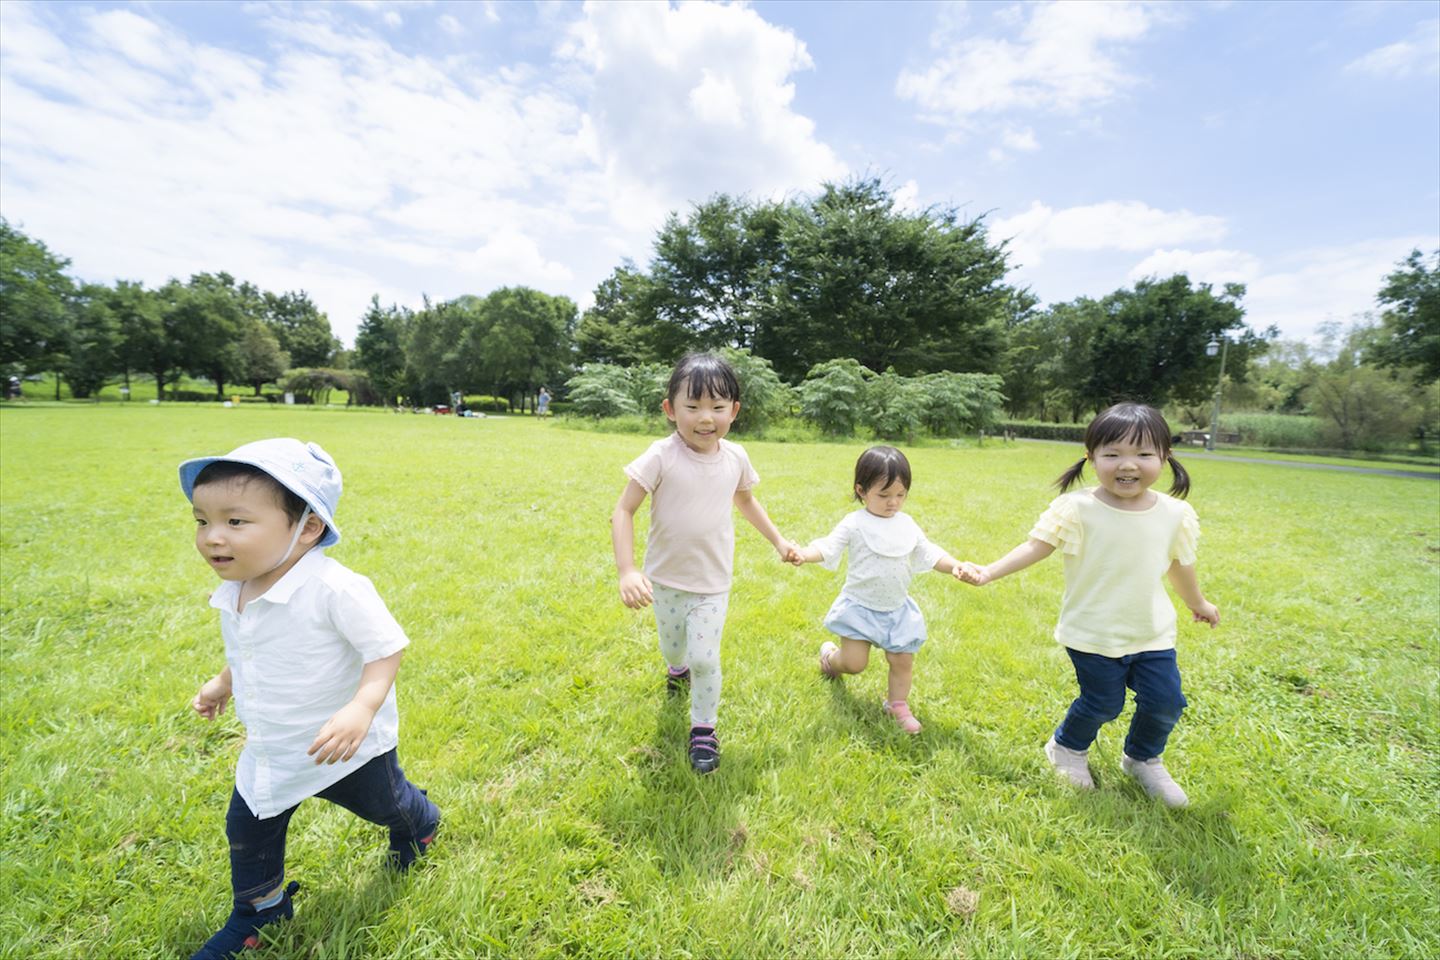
x=692, y=477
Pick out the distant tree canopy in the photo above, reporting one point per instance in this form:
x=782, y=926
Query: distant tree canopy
x=799, y=282
x=1410, y=324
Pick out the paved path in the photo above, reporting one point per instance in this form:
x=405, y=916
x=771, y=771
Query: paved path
x=1189, y=454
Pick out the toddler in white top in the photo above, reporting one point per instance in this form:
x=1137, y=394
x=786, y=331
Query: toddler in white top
x=693, y=478
x=1119, y=540
x=886, y=549
x=311, y=655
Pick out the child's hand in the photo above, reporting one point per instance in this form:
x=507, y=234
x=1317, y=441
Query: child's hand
x=1207, y=612
x=973, y=574
x=342, y=734
x=789, y=552
x=635, y=590
x=210, y=701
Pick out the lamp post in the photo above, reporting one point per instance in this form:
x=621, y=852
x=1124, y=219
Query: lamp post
x=1213, y=347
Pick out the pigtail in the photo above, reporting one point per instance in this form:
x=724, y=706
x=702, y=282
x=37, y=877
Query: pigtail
x=1181, y=486
x=1071, y=477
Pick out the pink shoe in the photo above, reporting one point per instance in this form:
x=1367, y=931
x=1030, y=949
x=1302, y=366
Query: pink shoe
x=902, y=715
x=828, y=649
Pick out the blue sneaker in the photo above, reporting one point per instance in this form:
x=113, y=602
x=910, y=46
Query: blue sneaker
x=404, y=851
x=242, y=930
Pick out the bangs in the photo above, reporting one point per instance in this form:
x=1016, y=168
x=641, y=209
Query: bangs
x=1133, y=422
x=702, y=373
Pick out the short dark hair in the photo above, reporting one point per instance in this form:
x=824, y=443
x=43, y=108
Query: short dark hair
x=881, y=464
x=225, y=471
x=701, y=373
x=1129, y=421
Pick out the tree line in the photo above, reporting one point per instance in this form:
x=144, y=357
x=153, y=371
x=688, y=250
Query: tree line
x=801, y=282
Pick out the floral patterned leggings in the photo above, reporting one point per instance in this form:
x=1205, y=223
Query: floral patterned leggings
x=690, y=626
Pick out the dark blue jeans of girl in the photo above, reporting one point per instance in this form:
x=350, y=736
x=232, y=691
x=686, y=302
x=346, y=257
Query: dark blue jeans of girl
x=1154, y=677
x=377, y=792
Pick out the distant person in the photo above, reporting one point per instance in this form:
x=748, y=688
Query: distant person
x=542, y=405
x=1119, y=539
x=693, y=478
x=12, y=388
x=874, y=608
x=311, y=655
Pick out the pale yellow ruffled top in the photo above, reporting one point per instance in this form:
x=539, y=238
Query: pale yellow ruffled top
x=1115, y=602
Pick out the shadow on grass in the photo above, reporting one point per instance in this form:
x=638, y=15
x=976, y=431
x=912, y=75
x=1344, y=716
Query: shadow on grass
x=688, y=821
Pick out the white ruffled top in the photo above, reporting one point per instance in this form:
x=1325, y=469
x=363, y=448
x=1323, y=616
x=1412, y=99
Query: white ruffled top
x=885, y=553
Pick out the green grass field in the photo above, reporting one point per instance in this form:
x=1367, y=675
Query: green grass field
x=532, y=709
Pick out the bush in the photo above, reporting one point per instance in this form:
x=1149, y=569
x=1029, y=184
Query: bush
x=893, y=406
x=832, y=396
x=764, y=398
x=1039, y=430
x=602, y=390
x=1274, y=429
x=956, y=403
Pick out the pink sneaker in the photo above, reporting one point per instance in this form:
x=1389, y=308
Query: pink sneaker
x=902, y=715
x=828, y=649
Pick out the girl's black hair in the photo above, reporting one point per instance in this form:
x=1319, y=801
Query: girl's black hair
x=1135, y=422
x=701, y=373
x=224, y=471
x=883, y=466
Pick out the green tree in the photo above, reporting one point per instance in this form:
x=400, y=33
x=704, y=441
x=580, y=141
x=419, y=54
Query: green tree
x=380, y=348
x=518, y=339
x=601, y=390
x=1148, y=344
x=1363, y=406
x=1410, y=326
x=435, y=356
x=893, y=406
x=35, y=296
x=302, y=330
x=92, y=341
x=261, y=359
x=764, y=397
x=956, y=403
x=622, y=327
x=919, y=291
x=207, y=318
x=147, y=341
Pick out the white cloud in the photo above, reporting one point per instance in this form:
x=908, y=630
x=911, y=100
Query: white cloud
x=1419, y=54
x=1114, y=225
x=1021, y=140
x=1066, y=57
x=907, y=197
x=1208, y=266
x=339, y=164
x=450, y=25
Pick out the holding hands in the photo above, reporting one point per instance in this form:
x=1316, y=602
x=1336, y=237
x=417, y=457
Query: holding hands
x=972, y=573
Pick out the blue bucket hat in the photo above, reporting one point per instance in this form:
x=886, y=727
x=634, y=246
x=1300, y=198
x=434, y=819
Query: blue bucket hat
x=304, y=469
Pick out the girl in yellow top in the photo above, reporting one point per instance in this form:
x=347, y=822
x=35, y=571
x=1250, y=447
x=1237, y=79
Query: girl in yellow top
x=1116, y=621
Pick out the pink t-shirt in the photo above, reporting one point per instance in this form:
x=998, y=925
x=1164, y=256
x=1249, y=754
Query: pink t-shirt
x=692, y=533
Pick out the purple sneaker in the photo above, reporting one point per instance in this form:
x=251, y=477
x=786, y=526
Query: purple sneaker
x=704, y=749
x=677, y=681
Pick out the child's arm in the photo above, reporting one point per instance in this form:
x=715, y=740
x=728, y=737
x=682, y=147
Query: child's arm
x=634, y=586
x=1187, y=584
x=1031, y=551
x=948, y=564
x=345, y=731
x=751, y=510
x=803, y=555
x=214, y=694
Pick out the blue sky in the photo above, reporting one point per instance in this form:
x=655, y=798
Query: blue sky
x=405, y=148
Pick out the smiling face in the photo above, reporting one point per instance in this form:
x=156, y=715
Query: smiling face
x=701, y=421
x=882, y=499
x=242, y=531
x=1127, y=468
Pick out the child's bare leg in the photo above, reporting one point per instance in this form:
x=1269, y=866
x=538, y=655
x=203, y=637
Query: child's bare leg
x=902, y=666
x=854, y=656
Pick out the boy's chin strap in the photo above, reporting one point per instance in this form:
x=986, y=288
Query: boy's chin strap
x=299, y=529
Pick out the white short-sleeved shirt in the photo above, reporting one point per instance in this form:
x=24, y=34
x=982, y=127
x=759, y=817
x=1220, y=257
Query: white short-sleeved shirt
x=295, y=656
x=1115, y=602
x=885, y=552
x=691, y=546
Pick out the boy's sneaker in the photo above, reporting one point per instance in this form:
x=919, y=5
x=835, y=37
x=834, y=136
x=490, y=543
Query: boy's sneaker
x=903, y=717
x=1155, y=779
x=704, y=749
x=1073, y=765
x=677, y=681
x=242, y=930
x=828, y=650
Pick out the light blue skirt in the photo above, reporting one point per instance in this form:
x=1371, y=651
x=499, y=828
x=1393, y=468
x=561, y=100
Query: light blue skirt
x=895, y=631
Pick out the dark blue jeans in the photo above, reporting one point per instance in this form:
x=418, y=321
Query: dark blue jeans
x=1153, y=676
x=377, y=792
